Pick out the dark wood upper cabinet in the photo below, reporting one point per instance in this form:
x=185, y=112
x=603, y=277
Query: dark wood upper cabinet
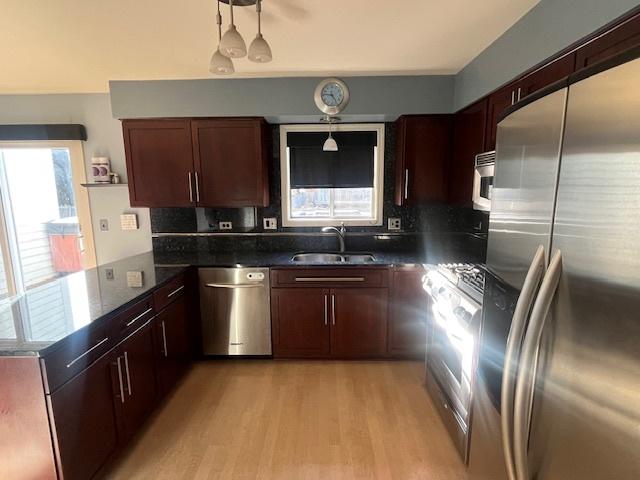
x=545, y=76
x=423, y=152
x=173, y=348
x=231, y=162
x=497, y=103
x=621, y=38
x=408, y=313
x=469, y=128
x=358, y=322
x=84, y=423
x=159, y=162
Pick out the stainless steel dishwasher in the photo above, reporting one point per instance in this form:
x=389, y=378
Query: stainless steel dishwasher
x=235, y=311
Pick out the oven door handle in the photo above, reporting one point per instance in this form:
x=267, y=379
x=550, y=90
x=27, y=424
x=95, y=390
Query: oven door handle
x=512, y=354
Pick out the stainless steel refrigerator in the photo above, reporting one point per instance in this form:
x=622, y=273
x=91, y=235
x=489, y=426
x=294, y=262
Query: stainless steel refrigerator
x=557, y=390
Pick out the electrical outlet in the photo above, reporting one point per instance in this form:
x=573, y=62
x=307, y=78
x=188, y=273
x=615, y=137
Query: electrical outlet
x=394, y=224
x=108, y=273
x=104, y=225
x=270, y=223
x=226, y=225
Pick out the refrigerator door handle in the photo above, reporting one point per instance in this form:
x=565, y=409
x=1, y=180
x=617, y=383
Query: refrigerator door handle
x=512, y=353
x=525, y=383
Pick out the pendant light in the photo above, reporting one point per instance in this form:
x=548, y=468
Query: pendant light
x=220, y=64
x=259, y=50
x=330, y=144
x=232, y=44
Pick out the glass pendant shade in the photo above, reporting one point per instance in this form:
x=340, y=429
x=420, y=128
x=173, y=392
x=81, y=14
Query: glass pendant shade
x=330, y=145
x=232, y=44
x=221, y=65
x=259, y=50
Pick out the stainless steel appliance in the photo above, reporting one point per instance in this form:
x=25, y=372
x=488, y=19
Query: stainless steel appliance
x=456, y=291
x=235, y=311
x=483, y=180
x=557, y=392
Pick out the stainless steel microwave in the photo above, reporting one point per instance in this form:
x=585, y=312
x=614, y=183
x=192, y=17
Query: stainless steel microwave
x=483, y=180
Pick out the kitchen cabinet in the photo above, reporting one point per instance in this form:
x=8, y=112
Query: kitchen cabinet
x=469, y=128
x=231, y=162
x=197, y=162
x=408, y=313
x=134, y=369
x=358, y=322
x=618, y=39
x=84, y=423
x=159, y=162
x=300, y=322
x=423, y=152
x=497, y=103
x=173, y=349
x=546, y=75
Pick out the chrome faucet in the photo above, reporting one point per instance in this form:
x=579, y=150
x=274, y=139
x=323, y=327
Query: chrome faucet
x=340, y=233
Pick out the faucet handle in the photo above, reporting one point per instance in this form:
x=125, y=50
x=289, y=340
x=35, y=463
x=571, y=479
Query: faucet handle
x=343, y=230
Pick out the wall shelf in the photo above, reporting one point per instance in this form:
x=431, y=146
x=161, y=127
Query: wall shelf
x=103, y=184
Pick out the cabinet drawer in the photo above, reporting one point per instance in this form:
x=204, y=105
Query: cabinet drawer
x=132, y=318
x=77, y=352
x=323, y=277
x=170, y=292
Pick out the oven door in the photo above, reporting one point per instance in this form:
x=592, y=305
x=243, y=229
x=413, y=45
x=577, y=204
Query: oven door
x=483, y=187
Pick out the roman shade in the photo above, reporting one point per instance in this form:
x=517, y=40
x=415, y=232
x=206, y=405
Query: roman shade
x=60, y=131
x=352, y=166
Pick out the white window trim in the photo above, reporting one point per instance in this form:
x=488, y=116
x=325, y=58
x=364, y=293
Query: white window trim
x=378, y=176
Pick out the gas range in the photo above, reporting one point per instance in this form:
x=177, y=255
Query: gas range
x=468, y=277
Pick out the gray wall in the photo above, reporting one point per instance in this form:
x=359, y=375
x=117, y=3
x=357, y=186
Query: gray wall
x=549, y=27
x=280, y=100
x=104, y=138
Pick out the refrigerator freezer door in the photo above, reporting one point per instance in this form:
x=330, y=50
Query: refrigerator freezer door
x=526, y=172
x=586, y=420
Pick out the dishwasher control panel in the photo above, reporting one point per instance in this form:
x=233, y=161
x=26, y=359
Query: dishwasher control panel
x=255, y=276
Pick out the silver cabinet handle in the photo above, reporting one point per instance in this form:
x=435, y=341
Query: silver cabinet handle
x=190, y=188
x=126, y=368
x=326, y=321
x=333, y=309
x=513, y=97
x=175, y=291
x=131, y=322
x=525, y=384
x=231, y=285
x=329, y=279
x=519, y=93
x=512, y=353
x=197, y=187
x=120, y=379
x=164, y=339
x=79, y=357
x=406, y=183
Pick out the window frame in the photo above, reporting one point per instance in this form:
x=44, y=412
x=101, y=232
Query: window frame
x=378, y=176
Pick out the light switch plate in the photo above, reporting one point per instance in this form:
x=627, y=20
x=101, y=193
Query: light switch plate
x=270, y=223
x=129, y=221
x=104, y=225
x=394, y=224
x=226, y=225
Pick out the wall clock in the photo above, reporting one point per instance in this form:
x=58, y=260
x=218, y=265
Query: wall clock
x=331, y=96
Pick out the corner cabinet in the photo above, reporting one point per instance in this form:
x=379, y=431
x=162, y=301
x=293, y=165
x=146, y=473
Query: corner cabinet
x=213, y=162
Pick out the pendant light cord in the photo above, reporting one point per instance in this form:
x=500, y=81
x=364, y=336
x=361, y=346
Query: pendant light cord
x=231, y=7
x=259, y=10
x=219, y=22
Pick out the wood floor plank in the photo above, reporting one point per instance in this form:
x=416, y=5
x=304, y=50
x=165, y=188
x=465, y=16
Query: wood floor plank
x=280, y=420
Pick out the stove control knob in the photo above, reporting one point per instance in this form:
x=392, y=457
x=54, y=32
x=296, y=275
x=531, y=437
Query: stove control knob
x=459, y=312
x=466, y=316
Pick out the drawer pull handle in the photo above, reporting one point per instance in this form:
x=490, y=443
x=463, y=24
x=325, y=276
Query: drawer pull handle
x=179, y=289
x=131, y=322
x=330, y=279
x=72, y=362
x=164, y=340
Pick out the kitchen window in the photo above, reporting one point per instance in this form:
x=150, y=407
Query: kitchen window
x=330, y=188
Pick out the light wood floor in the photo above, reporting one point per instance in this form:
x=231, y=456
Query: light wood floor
x=297, y=420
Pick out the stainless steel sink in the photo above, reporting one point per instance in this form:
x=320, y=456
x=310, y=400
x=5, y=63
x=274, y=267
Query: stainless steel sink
x=319, y=257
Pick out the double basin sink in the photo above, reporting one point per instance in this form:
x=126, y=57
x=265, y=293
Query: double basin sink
x=319, y=258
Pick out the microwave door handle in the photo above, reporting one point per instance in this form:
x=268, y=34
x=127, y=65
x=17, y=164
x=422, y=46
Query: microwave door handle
x=525, y=384
x=512, y=352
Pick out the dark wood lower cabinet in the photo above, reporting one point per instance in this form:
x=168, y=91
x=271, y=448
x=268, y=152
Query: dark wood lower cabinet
x=408, y=313
x=84, y=420
x=173, y=343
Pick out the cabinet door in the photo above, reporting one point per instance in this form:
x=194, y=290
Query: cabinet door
x=408, y=313
x=300, y=322
x=358, y=322
x=618, y=40
x=498, y=102
x=423, y=151
x=137, y=377
x=173, y=343
x=545, y=76
x=159, y=162
x=231, y=161
x=468, y=141
x=84, y=420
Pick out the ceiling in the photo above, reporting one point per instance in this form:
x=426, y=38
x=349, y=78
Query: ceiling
x=67, y=46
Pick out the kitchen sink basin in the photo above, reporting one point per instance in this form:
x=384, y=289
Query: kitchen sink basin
x=318, y=257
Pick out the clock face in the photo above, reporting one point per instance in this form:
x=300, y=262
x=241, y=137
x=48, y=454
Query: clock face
x=332, y=95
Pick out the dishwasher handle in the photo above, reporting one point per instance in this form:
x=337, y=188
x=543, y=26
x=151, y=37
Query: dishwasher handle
x=233, y=285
